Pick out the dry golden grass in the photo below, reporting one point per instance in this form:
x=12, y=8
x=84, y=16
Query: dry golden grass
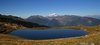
x=93, y=38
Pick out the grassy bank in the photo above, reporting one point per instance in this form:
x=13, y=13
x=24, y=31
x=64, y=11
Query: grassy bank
x=93, y=38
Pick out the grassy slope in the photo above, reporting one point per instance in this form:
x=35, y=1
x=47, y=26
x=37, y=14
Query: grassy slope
x=92, y=38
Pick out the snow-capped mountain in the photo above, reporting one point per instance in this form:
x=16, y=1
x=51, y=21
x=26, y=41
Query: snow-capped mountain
x=53, y=15
x=63, y=20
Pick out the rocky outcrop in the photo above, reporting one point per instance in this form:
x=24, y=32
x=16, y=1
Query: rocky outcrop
x=8, y=27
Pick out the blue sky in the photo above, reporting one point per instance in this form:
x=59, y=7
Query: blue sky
x=25, y=8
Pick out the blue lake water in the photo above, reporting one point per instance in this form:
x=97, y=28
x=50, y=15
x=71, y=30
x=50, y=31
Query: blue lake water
x=47, y=33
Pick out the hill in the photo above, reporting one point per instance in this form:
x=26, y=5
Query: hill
x=9, y=23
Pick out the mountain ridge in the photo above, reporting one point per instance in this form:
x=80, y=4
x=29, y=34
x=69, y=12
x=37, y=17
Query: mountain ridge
x=64, y=20
x=94, y=16
x=9, y=23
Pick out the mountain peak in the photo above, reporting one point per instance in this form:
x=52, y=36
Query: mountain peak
x=53, y=14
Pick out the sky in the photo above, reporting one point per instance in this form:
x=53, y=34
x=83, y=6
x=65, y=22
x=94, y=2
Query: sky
x=25, y=8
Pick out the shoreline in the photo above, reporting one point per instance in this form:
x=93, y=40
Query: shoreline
x=92, y=37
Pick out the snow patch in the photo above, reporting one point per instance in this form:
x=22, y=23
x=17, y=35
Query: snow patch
x=53, y=14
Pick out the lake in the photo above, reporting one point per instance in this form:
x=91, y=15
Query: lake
x=34, y=34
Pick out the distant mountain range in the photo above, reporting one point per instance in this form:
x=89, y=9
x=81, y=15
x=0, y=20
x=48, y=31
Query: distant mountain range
x=63, y=20
x=94, y=16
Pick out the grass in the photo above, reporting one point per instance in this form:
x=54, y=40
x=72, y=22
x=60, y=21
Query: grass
x=93, y=38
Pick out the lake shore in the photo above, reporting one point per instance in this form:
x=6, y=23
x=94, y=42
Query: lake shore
x=92, y=38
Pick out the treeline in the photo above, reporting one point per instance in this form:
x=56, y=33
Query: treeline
x=18, y=21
